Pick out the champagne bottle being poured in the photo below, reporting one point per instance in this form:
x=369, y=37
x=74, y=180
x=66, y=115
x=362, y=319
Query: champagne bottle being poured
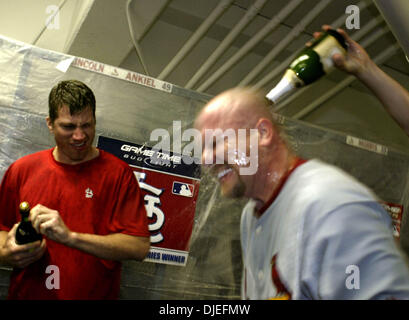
x=25, y=232
x=311, y=64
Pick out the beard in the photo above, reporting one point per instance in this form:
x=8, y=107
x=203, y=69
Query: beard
x=234, y=187
x=236, y=192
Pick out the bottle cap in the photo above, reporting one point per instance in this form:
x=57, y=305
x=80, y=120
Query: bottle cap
x=24, y=206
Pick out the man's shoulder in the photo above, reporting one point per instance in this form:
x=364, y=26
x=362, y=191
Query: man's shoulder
x=32, y=159
x=113, y=162
x=107, y=156
x=319, y=188
x=322, y=179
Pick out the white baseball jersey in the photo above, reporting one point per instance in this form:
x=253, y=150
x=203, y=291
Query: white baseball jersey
x=324, y=237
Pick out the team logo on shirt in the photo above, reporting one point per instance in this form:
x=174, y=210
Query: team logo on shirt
x=282, y=292
x=88, y=193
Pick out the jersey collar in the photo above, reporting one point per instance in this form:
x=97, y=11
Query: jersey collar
x=298, y=162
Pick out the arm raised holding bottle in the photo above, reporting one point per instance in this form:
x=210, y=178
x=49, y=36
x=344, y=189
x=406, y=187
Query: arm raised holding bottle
x=311, y=63
x=357, y=62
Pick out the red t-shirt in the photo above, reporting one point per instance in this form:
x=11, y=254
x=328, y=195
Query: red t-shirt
x=100, y=196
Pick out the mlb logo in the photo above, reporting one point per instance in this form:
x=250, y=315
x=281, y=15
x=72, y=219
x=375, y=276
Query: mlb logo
x=183, y=189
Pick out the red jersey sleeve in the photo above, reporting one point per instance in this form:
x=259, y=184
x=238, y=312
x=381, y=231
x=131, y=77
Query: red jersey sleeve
x=129, y=214
x=9, y=200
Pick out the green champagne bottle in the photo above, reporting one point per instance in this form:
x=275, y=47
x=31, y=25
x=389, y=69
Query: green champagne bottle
x=311, y=64
x=25, y=232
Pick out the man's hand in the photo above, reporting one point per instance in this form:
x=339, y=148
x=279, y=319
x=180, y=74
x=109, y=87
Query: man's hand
x=20, y=256
x=356, y=61
x=49, y=223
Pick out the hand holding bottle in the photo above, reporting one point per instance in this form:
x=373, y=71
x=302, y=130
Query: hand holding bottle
x=356, y=61
x=310, y=64
x=393, y=96
x=25, y=232
x=20, y=256
x=49, y=223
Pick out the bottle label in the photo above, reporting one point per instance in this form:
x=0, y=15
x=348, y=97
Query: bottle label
x=292, y=78
x=325, y=49
x=288, y=82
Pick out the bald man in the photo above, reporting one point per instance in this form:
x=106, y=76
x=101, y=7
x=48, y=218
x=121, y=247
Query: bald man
x=309, y=230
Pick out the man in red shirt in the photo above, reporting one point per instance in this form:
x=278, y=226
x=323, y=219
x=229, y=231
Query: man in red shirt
x=85, y=202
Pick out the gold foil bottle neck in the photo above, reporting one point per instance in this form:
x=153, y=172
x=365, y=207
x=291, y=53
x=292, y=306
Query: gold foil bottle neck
x=24, y=206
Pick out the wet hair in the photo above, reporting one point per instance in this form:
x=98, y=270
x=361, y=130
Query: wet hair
x=72, y=93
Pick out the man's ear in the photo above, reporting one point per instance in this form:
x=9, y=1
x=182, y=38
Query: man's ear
x=266, y=131
x=49, y=124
